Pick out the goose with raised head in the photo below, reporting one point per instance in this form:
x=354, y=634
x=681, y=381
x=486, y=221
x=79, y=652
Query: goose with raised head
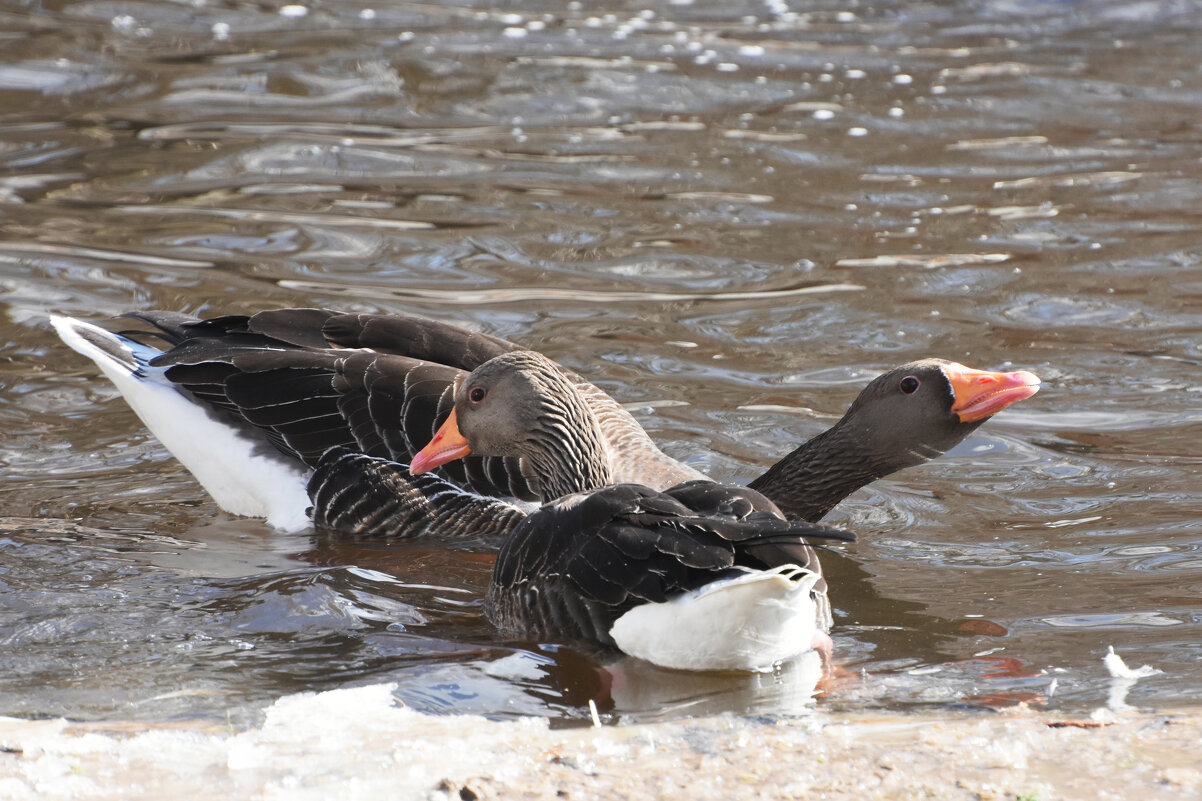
x=902, y=418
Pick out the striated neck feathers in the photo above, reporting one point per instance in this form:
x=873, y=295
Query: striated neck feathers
x=556, y=433
x=567, y=451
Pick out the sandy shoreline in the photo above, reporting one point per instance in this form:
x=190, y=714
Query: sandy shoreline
x=357, y=743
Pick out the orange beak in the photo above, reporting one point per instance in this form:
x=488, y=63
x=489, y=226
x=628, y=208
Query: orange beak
x=980, y=393
x=446, y=446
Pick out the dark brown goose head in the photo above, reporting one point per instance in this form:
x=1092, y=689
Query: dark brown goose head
x=910, y=414
x=521, y=404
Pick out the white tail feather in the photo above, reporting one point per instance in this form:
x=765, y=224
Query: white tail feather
x=242, y=474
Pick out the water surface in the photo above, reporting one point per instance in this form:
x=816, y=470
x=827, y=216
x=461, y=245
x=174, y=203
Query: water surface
x=731, y=216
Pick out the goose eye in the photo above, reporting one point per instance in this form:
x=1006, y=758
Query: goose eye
x=909, y=385
x=476, y=394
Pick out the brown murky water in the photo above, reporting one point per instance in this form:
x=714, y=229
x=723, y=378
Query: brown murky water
x=730, y=215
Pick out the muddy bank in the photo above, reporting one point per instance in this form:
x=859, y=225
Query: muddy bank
x=357, y=743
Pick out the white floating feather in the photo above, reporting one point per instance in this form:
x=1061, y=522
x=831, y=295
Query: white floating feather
x=1118, y=668
x=1122, y=679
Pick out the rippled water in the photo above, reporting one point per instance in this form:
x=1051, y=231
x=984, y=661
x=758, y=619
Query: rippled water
x=730, y=215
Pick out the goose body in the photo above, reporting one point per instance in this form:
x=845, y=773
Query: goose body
x=679, y=584
x=253, y=406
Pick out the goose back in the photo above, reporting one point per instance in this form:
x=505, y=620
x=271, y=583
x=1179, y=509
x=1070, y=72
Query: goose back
x=277, y=372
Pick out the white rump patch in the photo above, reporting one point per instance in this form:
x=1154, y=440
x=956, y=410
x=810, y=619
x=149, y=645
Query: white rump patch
x=752, y=621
